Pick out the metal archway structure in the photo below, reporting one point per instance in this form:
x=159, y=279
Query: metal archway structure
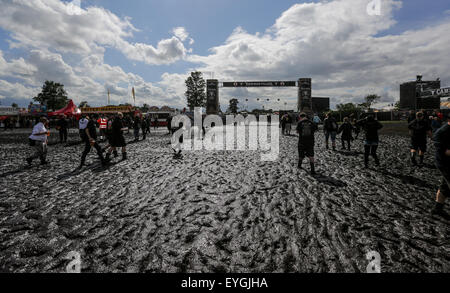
x=304, y=85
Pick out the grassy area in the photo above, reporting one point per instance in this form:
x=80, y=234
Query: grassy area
x=395, y=128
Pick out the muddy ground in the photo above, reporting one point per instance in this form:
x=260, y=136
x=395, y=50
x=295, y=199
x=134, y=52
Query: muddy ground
x=218, y=211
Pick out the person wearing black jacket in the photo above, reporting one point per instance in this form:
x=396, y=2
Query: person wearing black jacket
x=117, y=139
x=419, y=129
x=346, y=129
x=370, y=126
x=62, y=128
x=330, y=128
x=169, y=124
x=442, y=143
x=89, y=136
x=306, y=129
x=137, y=127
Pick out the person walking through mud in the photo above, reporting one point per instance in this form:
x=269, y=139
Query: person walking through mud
x=62, y=126
x=137, y=127
x=283, y=124
x=155, y=122
x=108, y=134
x=306, y=129
x=103, y=125
x=89, y=139
x=82, y=124
x=442, y=143
x=346, y=129
x=38, y=140
x=419, y=129
x=288, y=124
x=371, y=127
x=330, y=128
x=117, y=139
x=169, y=124
x=144, y=128
x=356, y=128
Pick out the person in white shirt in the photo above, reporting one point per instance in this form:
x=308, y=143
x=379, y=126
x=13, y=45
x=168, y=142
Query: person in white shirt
x=38, y=140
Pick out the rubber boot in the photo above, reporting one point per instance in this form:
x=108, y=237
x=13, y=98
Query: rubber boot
x=421, y=160
x=116, y=154
x=413, y=159
x=300, y=162
x=124, y=156
x=377, y=161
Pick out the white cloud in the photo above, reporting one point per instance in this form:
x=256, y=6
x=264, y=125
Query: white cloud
x=334, y=42
x=16, y=91
x=46, y=24
x=339, y=46
x=168, y=51
x=181, y=33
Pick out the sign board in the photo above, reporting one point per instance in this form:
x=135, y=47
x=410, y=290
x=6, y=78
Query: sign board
x=107, y=110
x=36, y=109
x=212, y=96
x=6, y=111
x=444, y=92
x=260, y=84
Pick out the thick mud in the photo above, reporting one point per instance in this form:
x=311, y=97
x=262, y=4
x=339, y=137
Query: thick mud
x=218, y=211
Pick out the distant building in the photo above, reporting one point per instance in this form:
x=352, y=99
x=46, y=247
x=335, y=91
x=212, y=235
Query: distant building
x=320, y=105
x=410, y=95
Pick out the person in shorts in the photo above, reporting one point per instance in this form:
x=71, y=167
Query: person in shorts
x=306, y=130
x=419, y=129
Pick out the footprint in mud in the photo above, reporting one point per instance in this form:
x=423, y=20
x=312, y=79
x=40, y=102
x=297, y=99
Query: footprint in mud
x=327, y=180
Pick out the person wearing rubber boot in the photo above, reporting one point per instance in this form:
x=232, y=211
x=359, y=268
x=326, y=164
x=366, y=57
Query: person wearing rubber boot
x=38, y=140
x=370, y=126
x=306, y=129
x=419, y=129
x=90, y=140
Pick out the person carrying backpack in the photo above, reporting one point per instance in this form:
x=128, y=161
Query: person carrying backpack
x=306, y=129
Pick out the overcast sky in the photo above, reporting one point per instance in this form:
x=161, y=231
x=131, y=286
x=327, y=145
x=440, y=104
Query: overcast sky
x=154, y=45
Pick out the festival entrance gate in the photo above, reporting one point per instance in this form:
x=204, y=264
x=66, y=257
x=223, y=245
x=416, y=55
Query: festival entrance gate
x=304, y=101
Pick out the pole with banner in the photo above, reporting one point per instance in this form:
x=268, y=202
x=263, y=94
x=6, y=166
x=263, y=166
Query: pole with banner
x=134, y=96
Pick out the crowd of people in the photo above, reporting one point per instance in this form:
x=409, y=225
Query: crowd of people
x=421, y=127
x=111, y=129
